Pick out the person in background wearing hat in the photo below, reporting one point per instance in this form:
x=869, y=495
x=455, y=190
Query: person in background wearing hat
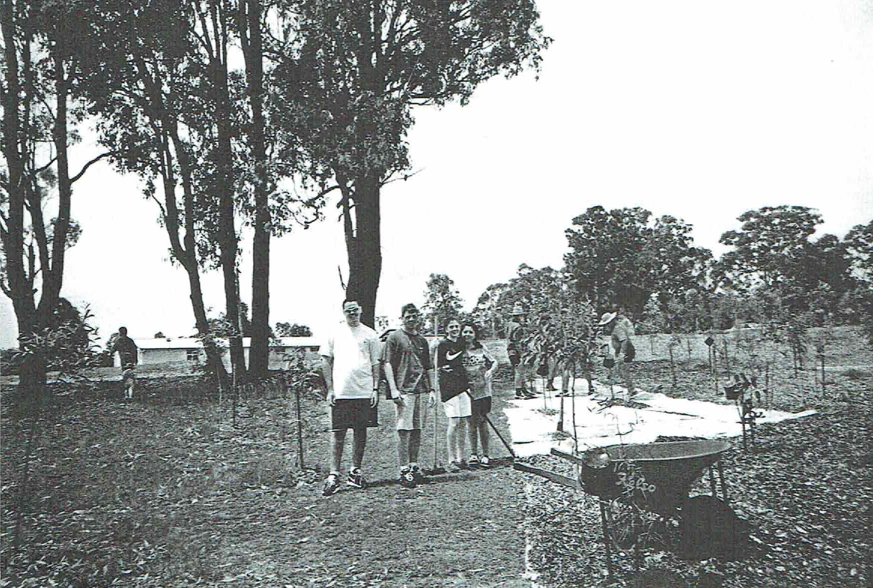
x=409, y=371
x=516, y=335
x=621, y=330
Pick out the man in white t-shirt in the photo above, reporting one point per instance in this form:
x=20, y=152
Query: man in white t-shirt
x=351, y=371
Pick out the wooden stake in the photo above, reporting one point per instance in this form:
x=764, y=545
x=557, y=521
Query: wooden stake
x=299, y=427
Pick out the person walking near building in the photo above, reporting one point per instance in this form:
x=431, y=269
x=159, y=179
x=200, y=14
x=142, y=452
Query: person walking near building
x=480, y=366
x=621, y=331
x=128, y=354
x=516, y=339
x=409, y=372
x=350, y=358
x=452, y=385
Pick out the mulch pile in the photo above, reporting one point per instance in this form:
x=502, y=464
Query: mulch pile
x=806, y=492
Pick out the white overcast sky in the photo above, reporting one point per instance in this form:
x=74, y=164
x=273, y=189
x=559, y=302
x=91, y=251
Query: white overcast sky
x=702, y=110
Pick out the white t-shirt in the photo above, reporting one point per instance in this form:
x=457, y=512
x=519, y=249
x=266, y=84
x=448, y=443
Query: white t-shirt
x=354, y=351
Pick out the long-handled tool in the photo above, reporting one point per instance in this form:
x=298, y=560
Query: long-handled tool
x=494, y=428
x=499, y=436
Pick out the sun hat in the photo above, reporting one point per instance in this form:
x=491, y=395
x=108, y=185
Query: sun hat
x=517, y=310
x=607, y=318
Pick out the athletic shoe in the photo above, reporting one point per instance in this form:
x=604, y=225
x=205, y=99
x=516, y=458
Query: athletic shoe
x=519, y=395
x=454, y=467
x=407, y=480
x=485, y=462
x=331, y=485
x=473, y=462
x=529, y=395
x=356, y=479
x=418, y=475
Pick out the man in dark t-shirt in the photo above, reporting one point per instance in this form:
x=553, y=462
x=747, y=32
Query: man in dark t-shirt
x=128, y=353
x=409, y=371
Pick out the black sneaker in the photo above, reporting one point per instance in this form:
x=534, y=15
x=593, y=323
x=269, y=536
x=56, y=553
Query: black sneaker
x=473, y=462
x=519, y=395
x=418, y=475
x=485, y=462
x=454, y=467
x=331, y=485
x=529, y=395
x=356, y=479
x=407, y=480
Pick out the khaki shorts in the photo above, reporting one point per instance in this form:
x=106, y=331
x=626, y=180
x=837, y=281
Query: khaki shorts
x=409, y=412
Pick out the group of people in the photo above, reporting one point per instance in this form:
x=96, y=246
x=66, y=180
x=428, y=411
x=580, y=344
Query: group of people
x=357, y=372
x=616, y=325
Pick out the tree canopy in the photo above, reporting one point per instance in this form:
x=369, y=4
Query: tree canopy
x=619, y=258
x=768, y=242
x=442, y=300
x=354, y=72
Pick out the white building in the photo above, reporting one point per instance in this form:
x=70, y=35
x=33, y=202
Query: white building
x=190, y=350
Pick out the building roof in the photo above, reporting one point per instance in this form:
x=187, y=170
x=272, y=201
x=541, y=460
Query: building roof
x=195, y=343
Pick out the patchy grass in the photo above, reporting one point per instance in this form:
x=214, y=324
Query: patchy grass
x=165, y=491
x=168, y=491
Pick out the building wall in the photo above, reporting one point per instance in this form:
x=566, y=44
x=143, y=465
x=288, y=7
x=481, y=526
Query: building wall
x=154, y=356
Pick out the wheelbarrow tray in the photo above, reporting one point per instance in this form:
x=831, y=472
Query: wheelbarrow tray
x=670, y=467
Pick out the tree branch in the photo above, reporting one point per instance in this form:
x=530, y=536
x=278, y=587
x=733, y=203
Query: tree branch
x=87, y=165
x=392, y=177
x=161, y=206
x=46, y=166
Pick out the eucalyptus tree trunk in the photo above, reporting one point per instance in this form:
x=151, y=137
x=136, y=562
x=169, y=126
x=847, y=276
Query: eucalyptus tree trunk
x=364, y=245
x=227, y=237
x=252, y=45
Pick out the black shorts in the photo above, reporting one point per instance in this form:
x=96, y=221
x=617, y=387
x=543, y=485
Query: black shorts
x=629, y=351
x=480, y=407
x=353, y=413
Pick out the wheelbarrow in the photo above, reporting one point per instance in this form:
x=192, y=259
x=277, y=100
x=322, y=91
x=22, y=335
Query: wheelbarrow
x=654, y=477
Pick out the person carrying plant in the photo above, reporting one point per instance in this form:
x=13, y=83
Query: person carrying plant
x=621, y=331
x=409, y=373
x=516, y=336
x=351, y=370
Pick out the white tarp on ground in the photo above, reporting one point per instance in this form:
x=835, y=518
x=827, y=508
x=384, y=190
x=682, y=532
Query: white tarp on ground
x=533, y=430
